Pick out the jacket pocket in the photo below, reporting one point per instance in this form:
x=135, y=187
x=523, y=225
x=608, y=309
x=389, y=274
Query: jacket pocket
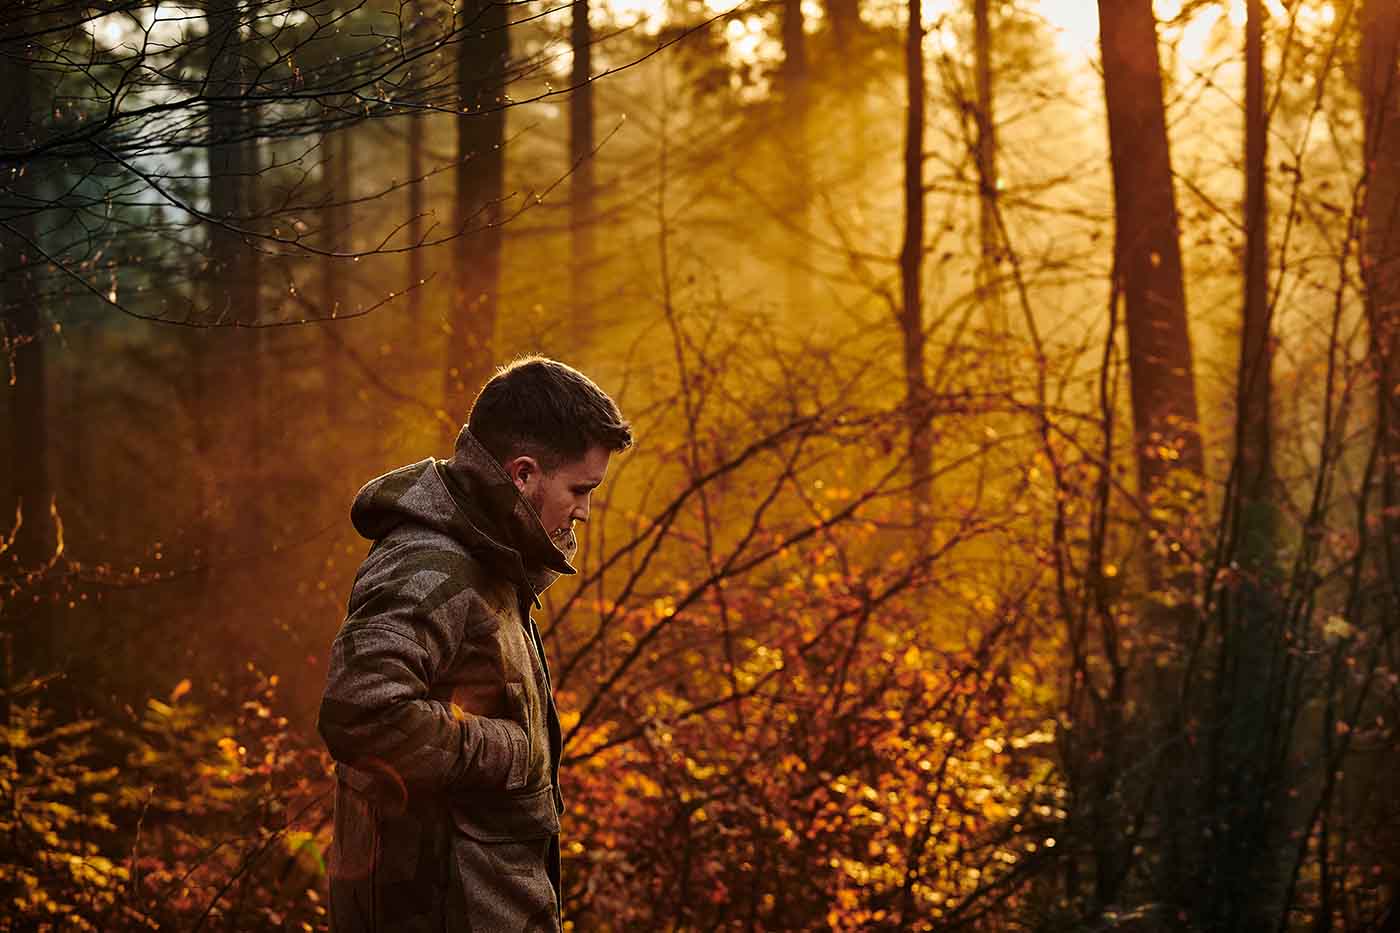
x=518, y=709
x=506, y=817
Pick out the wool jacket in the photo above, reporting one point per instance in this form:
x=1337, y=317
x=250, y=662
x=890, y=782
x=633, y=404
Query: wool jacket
x=439, y=712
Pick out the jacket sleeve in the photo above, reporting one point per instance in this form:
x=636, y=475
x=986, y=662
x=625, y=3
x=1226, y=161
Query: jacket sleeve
x=377, y=714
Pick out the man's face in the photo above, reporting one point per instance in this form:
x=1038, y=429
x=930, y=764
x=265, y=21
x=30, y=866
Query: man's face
x=562, y=496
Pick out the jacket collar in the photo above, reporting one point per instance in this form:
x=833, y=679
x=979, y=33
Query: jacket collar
x=498, y=519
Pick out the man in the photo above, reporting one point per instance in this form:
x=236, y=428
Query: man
x=438, y=707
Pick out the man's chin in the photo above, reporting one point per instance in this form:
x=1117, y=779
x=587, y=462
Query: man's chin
x=566, y=541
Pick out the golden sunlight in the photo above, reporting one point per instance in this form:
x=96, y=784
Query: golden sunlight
x=1076, y=22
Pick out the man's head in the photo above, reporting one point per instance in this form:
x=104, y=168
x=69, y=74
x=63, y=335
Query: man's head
x=553, y=431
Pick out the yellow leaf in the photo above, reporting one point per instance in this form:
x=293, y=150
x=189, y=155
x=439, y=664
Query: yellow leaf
x=182, y=688
x=1337, y=628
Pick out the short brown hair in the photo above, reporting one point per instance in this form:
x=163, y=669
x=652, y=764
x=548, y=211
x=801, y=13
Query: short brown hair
x=538, y=407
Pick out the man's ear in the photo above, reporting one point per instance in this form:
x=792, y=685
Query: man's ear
x=522, y=470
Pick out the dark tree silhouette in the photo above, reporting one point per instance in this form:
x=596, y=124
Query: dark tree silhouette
x=1147, y=250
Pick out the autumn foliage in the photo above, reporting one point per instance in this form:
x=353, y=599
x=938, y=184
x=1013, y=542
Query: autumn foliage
x=205, y=821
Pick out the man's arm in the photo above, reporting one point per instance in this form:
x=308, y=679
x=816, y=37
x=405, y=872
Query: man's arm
x=377, y=715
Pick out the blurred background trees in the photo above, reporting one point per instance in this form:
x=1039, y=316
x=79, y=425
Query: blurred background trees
x=1012, y=539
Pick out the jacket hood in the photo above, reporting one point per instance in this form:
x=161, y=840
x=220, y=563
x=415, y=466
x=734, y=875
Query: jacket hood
x=472, y=500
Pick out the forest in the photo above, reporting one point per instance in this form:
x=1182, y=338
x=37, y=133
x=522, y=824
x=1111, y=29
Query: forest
x=1012, y=536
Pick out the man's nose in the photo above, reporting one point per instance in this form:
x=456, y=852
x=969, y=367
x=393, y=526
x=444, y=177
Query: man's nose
x=581, y=512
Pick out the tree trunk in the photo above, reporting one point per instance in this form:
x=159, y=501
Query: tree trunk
x=987, y=181
x=582, y=189
x=233, y=269
x=796, y=98
x=25, y=381
x=911, y=260
x=482, y=58
x=1167, y=449
x=1380, y=31
x=1380, y=91
x=335, y=223
x=416, y=272
x=222, y=276
x=843, y=83
x=254, y=374
x=844, y=16
x=1148, y=254
x=251, y=160
x=232, y=389
x=1245, y=806
x=228, y=273
x=1245, y=809
x=1254, y=395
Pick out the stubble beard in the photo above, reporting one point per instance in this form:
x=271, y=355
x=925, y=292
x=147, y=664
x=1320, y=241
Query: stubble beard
x=566, y=541
x=563, y=538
